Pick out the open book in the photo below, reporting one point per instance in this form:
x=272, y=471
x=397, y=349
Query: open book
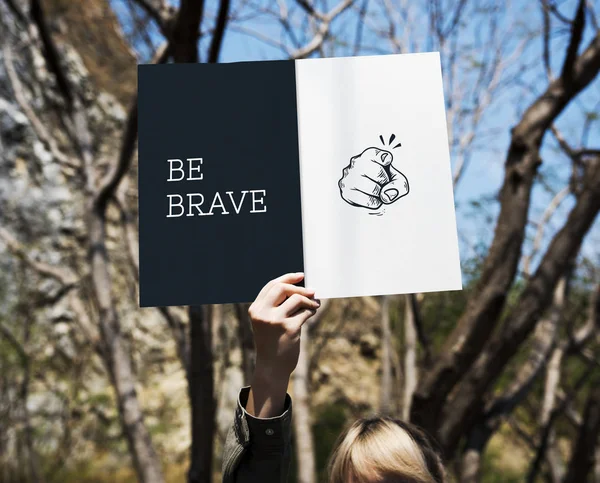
x=335, y=167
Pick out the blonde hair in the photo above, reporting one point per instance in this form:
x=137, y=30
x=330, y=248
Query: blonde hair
x=376, y=448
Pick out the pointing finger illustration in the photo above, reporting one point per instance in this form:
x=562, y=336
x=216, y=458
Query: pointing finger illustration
x=370, y=180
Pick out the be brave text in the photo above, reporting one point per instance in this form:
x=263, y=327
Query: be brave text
x=201, y=204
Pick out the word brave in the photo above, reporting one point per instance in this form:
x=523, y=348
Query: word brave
x=196, y=200
x=252, y=201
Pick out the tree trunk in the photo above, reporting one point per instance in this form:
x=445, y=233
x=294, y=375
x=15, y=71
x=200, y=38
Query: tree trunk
x=582, y=461
x=117, y=358
x=305, y=451
x=548, y=402
x=503, y=405
x=202, y=398
x=470, y=469
x=303, y=435
x=485, y=305
x=32, y=456
x=460, y=412
x=597, y=466
x=385, y=401
x=410, y=355
x=246, y=340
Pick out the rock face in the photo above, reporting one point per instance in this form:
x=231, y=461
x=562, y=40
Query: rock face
x=57, y=386
x=70, y=402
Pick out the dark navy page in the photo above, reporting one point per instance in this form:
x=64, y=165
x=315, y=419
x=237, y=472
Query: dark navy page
x=219, y=182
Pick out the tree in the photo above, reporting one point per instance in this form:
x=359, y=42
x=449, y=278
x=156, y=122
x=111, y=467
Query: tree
x=466, y=375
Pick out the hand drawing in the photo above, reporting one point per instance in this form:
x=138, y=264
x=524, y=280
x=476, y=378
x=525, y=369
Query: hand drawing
x=370, y=181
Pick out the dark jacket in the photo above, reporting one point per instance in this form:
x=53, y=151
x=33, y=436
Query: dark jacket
x=257, y=449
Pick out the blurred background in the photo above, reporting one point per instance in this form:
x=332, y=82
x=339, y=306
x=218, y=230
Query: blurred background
x=505, y=374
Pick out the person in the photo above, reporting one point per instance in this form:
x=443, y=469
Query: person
x=258, y=445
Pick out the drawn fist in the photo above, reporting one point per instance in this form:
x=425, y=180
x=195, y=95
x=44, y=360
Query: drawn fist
x=370, y=180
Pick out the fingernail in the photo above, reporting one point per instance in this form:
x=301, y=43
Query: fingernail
x=383, y=156
x=391, y=193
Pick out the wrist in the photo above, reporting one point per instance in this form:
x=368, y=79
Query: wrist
x=267, y=375
x=267, y=392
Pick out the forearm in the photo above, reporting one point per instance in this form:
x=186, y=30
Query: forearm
x=267, y=392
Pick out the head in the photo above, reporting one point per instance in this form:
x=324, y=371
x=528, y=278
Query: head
x=385, y=450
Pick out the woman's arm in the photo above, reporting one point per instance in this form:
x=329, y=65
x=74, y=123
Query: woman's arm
x=258, y=445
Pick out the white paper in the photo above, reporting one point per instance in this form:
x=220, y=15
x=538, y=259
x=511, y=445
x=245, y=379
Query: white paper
x=344, y=106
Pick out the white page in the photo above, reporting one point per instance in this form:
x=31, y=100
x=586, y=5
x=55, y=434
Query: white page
x=410, y=245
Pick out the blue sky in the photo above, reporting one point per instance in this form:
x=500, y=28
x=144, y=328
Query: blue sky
x=518, y=26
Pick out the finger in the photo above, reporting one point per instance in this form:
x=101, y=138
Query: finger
x=280, y=291
x=297, y=302
x=368, y=169
x=287, y=278
x=298, y=320
x=379, y=156
x=395, y=189
x=361, y=183
x=358, y=198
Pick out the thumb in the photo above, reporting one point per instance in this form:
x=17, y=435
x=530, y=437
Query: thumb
x=395, y=189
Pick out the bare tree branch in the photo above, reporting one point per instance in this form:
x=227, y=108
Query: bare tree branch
x=542, y=446
x=576, y=36
x=501, y=406
x=160, y=11
x=14, y=342
x=38, y=126
x=217, y=36
x=583, y=453
x=322, y=30
x=523, y=317
x=485, y=306
x=186, y=30
x=120, y=169
x=539, y=235
x=51, y=53
x=66, y=278
x=359, y=26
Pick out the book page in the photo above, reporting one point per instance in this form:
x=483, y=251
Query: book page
x=377, y=200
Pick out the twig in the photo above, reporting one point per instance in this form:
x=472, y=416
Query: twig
x=541, y=451
x=546, y=38
x=114, y=177
x=38, y=126
x=322, y=31
x=67, y=279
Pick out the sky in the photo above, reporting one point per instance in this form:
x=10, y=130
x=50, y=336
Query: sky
x=511, y=29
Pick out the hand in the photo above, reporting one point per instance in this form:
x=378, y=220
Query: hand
x=277, y=316
x=370, y=180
